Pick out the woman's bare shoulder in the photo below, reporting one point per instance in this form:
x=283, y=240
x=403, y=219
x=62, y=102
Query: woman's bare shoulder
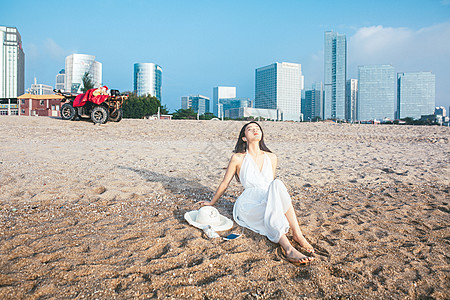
x=271, y=155
x=237, y=156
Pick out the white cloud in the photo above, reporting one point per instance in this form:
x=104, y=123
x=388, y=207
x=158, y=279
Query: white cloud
x=408, y=50
x=53, y=50
x=400, y=46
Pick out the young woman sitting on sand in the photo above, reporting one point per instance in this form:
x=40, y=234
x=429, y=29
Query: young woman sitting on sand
x=265, y=205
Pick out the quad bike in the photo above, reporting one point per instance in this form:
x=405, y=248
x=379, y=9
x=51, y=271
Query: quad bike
x=99, y=110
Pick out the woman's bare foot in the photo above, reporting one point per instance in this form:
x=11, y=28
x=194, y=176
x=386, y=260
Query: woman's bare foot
x=295, y=257
x=304, y=243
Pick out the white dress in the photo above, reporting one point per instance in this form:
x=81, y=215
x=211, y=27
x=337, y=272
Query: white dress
x=264, y=202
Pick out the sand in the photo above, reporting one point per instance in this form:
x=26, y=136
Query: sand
x=96, y=211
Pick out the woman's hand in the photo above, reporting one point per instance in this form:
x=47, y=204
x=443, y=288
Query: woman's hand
x=205, y=203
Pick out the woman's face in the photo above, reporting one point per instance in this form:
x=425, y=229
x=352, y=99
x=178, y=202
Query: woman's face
x=253, y=132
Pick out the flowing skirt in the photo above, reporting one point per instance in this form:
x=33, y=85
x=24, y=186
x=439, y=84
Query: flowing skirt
x=263, y=210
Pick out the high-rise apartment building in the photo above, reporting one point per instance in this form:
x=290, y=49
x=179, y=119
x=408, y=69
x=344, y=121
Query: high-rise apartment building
x=148, y=79
x=415, y=94
x=351, y=100
x=198, y=103
x=12, y=63
x=60, y=79
x=376, y=92
x=335, y=70
x=76, y=66
x=279, y=86
x=219, y=93
x=312, y=102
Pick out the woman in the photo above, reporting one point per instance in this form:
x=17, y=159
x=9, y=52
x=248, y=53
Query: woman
x=265, y=205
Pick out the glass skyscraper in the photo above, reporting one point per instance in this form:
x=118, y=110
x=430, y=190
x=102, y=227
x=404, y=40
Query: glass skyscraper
x=198, y=103
x=312, y=103
x=147, y=79
x=12, y=63
x=76, y=66
x=415, y=94
x=376, y=92
x=279, y=86
x=219, y=93
x=335, y=70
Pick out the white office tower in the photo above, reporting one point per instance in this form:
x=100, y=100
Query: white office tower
x=222, y=92
x=279, y=86
x=147, y=79
x=12, y=63
x=76, y=66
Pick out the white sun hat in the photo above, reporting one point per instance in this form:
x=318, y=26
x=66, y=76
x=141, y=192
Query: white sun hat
x=208, y=215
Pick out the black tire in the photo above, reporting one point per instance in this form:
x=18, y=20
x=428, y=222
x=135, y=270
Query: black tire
x=77, y=116
x=67, y=112
x=99, y=115
x=116, y=116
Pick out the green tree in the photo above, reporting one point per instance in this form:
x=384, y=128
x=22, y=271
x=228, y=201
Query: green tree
x=207, y=116
x=88, y=82
x=163, y=110
x=137, y=107
x=185, y=114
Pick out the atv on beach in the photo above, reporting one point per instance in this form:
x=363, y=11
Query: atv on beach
x=100, y=105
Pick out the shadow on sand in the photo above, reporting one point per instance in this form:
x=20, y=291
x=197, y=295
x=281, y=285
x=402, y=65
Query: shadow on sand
x=187, y=189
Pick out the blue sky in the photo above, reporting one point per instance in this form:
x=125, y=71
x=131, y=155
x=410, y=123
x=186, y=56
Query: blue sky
x=202, y=44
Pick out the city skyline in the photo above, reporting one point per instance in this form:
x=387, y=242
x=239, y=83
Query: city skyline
x=222, y=43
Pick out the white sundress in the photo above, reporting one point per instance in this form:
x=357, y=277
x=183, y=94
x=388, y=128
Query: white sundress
x=264, y=202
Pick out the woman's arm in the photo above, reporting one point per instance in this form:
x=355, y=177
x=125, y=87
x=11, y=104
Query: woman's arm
x=231, y=170
x=274, y=161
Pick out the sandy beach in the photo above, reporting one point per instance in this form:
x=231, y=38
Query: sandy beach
x=96, y=211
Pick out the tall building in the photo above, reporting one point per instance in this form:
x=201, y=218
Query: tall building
x=415, y=94
x=312, y=102
x=219, y=93
x=376, y=92
x=60, y=79
x=279, y=86
x=76, y=66
x=351, y=100
x=147, y=79
x=335, y=70
x=12, y=63
x=198, y=103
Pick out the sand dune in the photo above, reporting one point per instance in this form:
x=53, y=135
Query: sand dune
x=90, y=211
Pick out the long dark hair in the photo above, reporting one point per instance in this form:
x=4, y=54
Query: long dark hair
x=241, y=145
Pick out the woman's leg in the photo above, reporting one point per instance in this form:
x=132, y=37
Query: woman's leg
x=292, y=254
x=296, y=232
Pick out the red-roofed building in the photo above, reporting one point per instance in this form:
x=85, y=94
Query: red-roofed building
x=40, y=105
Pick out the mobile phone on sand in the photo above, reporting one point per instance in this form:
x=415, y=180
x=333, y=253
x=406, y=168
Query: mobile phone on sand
x=232, y=236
